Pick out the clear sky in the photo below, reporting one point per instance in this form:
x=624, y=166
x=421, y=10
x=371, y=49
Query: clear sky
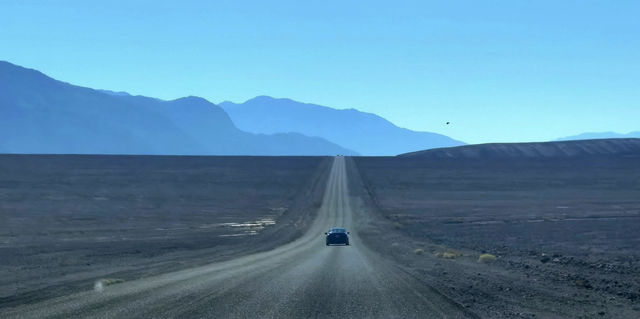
x=497, y=70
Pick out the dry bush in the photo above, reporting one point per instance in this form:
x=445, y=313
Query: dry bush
x=486, y=258
x=100, y=284
x=112, y=281
x=418, y=251
x=450, y=254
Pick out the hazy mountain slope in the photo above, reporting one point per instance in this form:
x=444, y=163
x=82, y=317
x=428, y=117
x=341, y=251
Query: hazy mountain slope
x=365, y=133
x=42, y=115
x=200, y=118
x=628, y=146
x=600, y=135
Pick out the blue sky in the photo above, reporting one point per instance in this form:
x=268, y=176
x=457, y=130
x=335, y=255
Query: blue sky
x=497, y=70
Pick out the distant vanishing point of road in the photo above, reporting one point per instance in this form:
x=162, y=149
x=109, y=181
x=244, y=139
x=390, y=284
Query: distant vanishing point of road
x=303, y=279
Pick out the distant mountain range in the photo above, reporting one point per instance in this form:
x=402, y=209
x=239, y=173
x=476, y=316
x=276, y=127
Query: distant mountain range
x=41, y=115
x=600, y=135
x=365, y=133
x=561, y=149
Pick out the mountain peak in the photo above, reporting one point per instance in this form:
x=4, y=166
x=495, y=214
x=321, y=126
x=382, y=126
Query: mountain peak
x=7, y=65
x=271, y=100
x=114, y=93
x=263, y=98
x=191, y=99
x=17, y=72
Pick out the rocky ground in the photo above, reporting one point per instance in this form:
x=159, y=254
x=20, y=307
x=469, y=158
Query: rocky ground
x=563, y=233
x=559, y=237
x=68, y=221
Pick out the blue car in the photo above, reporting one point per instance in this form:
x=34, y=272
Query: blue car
x=337, y=236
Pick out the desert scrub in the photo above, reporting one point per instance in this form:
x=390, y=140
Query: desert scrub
x=100, y=284
x=450, y=254
x=112, y=281
x=486, y=258
x=418, y=251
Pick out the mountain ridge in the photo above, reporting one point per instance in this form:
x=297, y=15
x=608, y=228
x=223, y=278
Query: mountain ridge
x=42, y=115
x=555, y=149
x=366, y=133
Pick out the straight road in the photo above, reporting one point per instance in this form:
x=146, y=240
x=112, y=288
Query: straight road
x=303, y=279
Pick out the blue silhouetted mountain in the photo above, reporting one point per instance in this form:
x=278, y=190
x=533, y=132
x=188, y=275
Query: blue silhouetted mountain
x=41, y=115
x=366, y=133
x=600, y=135
x=540, y=150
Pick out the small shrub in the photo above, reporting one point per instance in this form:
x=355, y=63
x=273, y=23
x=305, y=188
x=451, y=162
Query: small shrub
x=448, y=254
x=486, y=258
x=100, y=284
x=418, y=251
x=112, y=281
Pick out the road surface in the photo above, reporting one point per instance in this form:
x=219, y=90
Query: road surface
x=303, y=279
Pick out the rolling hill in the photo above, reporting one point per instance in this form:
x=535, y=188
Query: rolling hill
x=600, y=135
x=565, y=149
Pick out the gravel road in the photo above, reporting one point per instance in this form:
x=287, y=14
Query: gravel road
x=302, y=279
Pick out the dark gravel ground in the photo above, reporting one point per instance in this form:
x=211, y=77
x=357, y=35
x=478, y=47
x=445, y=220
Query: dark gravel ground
x=68, y=220
x=301, y=279
x=564, y=232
